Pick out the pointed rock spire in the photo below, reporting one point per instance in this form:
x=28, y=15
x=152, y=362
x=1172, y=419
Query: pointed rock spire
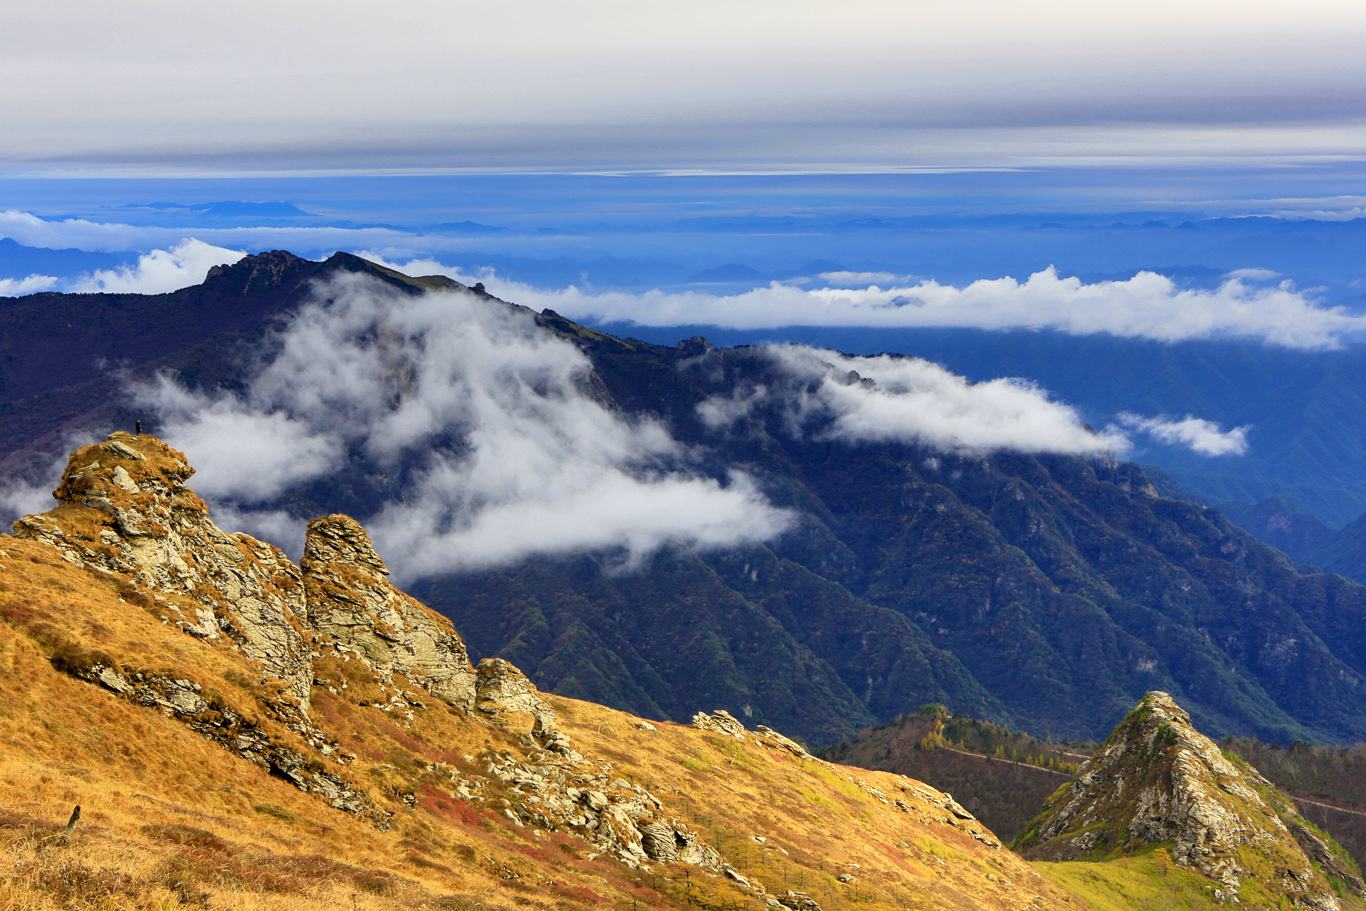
x=1159, y=781
x=352, y=604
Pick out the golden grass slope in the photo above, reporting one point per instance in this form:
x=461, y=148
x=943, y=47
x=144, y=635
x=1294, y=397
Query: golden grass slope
x=174, y=820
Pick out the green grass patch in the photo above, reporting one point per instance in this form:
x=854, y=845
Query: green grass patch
x=1144, y=881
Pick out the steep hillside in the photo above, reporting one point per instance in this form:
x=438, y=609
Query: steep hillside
x=1345, y=551
x=1158, y=786
x=240, y=731
x=1046, y=592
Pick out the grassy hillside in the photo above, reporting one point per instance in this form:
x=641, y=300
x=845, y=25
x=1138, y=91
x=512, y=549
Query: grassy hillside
x=111, y=701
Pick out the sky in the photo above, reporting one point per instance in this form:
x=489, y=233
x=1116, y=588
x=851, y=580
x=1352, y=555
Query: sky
x=1160, y=172
x=154, y=86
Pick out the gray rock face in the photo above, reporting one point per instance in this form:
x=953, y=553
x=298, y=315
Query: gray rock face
x=571, y=794
x=123, y=507
x=502, y=689
x=351, y=602
x=1158, y=780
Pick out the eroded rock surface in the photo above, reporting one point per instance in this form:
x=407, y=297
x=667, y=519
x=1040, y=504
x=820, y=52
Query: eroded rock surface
x=123, y=507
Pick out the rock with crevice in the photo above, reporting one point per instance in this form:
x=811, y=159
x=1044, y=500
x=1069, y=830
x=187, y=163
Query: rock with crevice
x=351, y=603
x=1157, y=781
x=123, y=507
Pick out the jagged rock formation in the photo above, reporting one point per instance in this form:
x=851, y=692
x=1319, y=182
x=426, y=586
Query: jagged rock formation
x=1159, y=781
x=123, y=507
x=352, y=606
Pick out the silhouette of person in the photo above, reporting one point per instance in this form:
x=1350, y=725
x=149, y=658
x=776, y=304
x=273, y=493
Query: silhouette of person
x=137, y=427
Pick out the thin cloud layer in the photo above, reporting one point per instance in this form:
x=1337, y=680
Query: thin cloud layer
x=485, y=421
x=1197, y=434
x=117, y=237
x=907, y=400
x=160, y=271
x=1146, y=306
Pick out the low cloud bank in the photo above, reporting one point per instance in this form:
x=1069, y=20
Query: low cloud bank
x=160, y=271
x=1197, y=434
x=1146, y=306
x=15, y=287
x=484, y=422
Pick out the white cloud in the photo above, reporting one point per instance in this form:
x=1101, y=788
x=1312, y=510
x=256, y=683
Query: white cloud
x=1253, y=275
x=14, y=287
x=1148, y=306
x=1198, y=434
x=908, y=400
x=498, y=449
x=160, y=271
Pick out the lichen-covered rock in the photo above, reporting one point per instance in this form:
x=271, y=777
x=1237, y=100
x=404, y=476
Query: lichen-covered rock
x=351, y=602
x=502, y=690
x=123, y=507
x=1157, y=780
x=720, y=722
x=589, y=800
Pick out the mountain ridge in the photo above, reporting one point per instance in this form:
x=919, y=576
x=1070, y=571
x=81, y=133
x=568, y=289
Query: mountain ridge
x=1047, y=592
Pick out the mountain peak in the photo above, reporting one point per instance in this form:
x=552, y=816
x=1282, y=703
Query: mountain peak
x=1157, y=781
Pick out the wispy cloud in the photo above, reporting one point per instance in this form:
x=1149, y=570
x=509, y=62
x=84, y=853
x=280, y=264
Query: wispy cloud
x=907, y=400
x=1197, y=434
x=498, y=448
x=1148, y=306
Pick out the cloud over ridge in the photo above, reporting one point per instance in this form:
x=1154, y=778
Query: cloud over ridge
x=487, y=424
x=1197, y=434
x=828, y=395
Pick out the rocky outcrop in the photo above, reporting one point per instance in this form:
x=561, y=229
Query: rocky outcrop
x=124, y=511
x=719, y=722
x=124, y=508
x=504, y=692
x=352, y=604
x=1159, y=781
x=570, y=794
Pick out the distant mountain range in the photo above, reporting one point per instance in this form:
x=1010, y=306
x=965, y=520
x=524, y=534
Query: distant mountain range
x=1048, y=592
